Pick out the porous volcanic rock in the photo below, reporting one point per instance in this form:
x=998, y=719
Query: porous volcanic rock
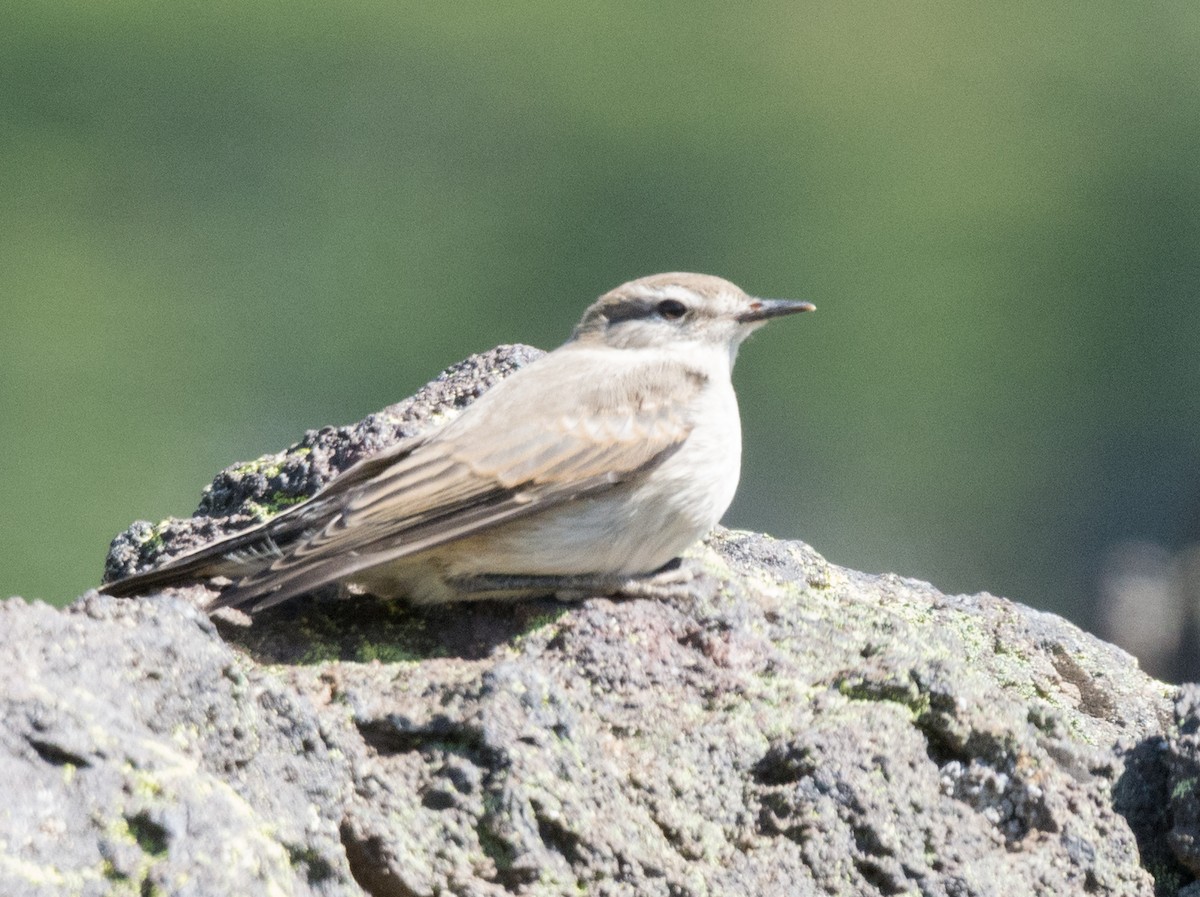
x=791, y=727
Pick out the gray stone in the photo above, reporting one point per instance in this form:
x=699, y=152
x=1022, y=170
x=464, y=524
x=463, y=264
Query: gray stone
x=790, y=728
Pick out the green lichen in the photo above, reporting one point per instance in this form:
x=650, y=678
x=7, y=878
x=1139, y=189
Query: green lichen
x=1184, y=787
x=904, y=693
x=311, y=864
x=494, y=846
x=142, y=784
x=540, y=621
x=386, y=632
x=275, y=503
x=112, y=873
x=45, y=879
x=266, y=465
x=154, y=541
x=149, y=835
x=139, y=830
x=270, y=465
x=388, y=653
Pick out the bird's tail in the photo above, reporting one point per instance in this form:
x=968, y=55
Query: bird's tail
x=234, y=556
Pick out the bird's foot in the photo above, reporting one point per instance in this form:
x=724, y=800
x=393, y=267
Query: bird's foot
x=673, y=580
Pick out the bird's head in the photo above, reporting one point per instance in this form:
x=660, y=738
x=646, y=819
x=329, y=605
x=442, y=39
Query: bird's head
x=689, y=310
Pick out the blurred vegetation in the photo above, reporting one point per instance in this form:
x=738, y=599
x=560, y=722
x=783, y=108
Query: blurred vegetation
x=224, y=223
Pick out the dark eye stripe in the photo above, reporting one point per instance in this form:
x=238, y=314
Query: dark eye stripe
x=628, y=310
x=639, y=309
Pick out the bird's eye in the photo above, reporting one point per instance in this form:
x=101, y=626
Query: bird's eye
x=672, y=309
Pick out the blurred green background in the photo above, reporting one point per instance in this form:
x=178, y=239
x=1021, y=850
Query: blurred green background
x=225, y=223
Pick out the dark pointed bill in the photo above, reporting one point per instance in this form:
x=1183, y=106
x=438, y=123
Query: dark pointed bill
x=763, y=309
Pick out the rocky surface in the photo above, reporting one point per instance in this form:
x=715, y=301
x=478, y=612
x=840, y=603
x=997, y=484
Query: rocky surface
x=791, y=728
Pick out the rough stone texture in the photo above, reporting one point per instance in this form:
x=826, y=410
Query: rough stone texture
x=791, y=728
x=1183, y=782
x=142, y=755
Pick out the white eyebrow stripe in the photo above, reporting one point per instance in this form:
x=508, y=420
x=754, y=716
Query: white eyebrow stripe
x=673, y=291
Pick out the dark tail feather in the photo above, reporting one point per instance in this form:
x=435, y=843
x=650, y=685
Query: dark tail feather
x=234, y=556
x=258, y=593
x=188, y=572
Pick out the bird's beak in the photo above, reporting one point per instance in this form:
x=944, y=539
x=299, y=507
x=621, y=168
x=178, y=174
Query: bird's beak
x=764, y=309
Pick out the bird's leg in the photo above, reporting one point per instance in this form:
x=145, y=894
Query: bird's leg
x=672, y=580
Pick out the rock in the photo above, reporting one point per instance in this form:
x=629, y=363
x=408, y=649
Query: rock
x=140, y=754
x=1183, y=777
x=791, y=728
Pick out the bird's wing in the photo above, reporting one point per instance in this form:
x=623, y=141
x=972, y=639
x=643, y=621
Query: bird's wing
x=525, y=445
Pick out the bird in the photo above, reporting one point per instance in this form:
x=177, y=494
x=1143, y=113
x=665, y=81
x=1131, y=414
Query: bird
x=587, y=472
